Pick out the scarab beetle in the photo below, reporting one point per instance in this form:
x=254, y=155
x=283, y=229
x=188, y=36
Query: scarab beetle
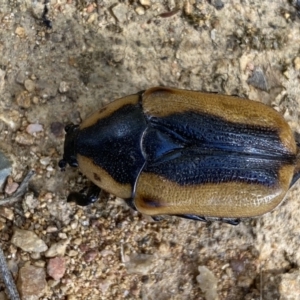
x=196, y=155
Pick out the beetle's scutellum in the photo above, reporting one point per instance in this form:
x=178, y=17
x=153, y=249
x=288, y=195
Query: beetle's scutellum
x=191, y=154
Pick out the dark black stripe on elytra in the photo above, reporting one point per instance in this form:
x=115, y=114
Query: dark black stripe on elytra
x=113, y=143
x=194, y=166
x=202, y=130
x=196, y=148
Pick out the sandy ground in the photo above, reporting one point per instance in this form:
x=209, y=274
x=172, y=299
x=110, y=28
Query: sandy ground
x=95, y=54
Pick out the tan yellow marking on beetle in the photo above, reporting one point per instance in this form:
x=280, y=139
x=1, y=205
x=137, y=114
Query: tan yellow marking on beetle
x=161, y=101
x=94, y=173
x=156, y=195
x=106, y=111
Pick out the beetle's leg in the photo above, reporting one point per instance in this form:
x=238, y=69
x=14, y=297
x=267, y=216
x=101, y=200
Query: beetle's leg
x=157, y=218
x=193, y=217
x=233, y=222
x=130, y=203
x=86, y=196
x=296, y=175
x=203, y=219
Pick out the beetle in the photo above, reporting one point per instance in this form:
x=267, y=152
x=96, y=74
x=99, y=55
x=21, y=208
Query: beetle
x=201, y=156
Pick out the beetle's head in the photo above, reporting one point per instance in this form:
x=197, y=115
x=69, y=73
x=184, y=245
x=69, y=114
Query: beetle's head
x=69, y=156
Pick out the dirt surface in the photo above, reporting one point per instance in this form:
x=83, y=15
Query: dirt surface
x=95, y=52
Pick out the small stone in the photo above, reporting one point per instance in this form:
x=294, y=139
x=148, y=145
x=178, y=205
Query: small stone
x=56, y=267
x=72, y=253
x=62, y=235
x=32, y=282
x=29, y=85
x=90, y=8
x=120, y=12
x=93, y=17
x=63, y=87
x=50, y=169
x=33, y=128
x=51, y=229
x=286, y=74
x=11, y=186
x=45, y=160
x=28, y=241
x=40, y=263
x=140, y=10
x=74, y=224
x=90, y=255
x=24, y=138
x=258, y=79
x=20, y=77
x=77, y=241
x=7, y=213
x=218, y=4
x=20, y=31
x=57, y=249
x=52, y=283
x=23, y=99
x=57, y=129
x=145, y=2
x=35, y=100
x=297, y=63
x=207, y=282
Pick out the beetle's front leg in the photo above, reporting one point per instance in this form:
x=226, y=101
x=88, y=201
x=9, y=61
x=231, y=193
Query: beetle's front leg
x=86, y=196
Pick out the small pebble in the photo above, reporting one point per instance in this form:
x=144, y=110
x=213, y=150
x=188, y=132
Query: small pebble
x=20, y=77
x=6, y=213
x=57, y=129
x=258, y=79
x=57, y=249
x=28, y=241
x=72, y=253
x=29, y=85
x=297, y=63
x=56, y=267
x=208, y=283
x=120, y=12
x=11, y=186
x=32, y=282
x=145, y=2
x=45, y=160
x=33, y=128
x=51, y=229
x=63, y=87
x=20, y=31
x=23, y=138
x=90, y=8
x=90, y=255
x=140, y=10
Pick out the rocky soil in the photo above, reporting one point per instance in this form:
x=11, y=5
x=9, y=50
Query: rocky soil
x=95, y=52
